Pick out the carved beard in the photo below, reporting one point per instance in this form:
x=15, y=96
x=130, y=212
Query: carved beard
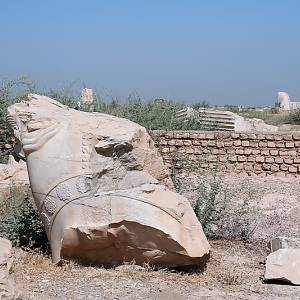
x=32, y=132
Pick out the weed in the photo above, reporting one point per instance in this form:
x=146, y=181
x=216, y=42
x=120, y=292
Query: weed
x=20, y=223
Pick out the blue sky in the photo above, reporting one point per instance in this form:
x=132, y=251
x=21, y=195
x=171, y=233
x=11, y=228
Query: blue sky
x=221, y=51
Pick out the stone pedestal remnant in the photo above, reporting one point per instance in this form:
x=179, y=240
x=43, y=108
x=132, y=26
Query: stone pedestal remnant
x=101, y=189
x=283, y=263
x=284, y=102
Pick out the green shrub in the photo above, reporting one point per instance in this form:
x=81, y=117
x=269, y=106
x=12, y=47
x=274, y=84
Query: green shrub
x=20, y=223
x=293, y=117
x=219, y=214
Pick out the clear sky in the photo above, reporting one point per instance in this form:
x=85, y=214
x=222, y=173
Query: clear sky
x=221, y=51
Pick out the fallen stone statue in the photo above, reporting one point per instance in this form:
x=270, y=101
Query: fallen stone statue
x=101, y=189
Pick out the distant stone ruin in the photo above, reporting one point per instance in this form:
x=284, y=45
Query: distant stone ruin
x=212, y=119
x=284, y=102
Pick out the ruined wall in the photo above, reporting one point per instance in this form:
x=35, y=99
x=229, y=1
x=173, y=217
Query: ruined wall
x=250, y=153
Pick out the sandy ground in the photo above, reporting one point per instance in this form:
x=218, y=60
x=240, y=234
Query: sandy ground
x=234, y=272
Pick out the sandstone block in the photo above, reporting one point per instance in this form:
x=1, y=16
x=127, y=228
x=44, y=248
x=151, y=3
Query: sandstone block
x=243, y=136
x=280, y=144
x=232, y=158
x=263, y=144
x=296, y=136
x=187, y=143
x=278, y=137
x=248, y=151
x=178, y=142
x=228, y=143
x=239, y=151
x=235, y=135
x=270, y=137
x=245, y=143
x=196, y=142
x=210, y=136
x=172, y=142
x=287, y=137
x=284, y=167
x=274, y=168
x=265, y=152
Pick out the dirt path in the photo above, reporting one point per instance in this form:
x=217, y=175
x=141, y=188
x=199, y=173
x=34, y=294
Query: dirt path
x=233, y=272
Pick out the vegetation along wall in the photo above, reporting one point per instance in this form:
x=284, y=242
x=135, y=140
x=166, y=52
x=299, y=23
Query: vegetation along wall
x=250, y=153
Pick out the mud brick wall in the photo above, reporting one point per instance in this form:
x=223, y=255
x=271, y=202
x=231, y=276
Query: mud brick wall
x=250, y=153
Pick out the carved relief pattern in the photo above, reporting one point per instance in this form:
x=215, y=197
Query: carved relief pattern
x=83, y=184
x=63, y=191
x=50, y=205
x=86, y=142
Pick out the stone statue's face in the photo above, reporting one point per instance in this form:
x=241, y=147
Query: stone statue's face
x=32, y=124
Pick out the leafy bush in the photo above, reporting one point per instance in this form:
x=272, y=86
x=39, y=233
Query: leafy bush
x=293, y=117
x=219, y=214
x=20, y=223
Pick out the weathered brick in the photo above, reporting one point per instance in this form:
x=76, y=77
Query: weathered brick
x=266, y=167
x=292, y=153
x=222, y=158
x=255, y=151
x=283, y=153
x=211, y=143
x=261, y=136
x=196, y=142
x=237, y=143
x=265, y=152
x=242, y=158
x=219, y=144
x=163, y=142
x=171, y=142
x=189, y=150
x=269, y=160
x=187, y=143
x=232, y=158
x=251, y=159
x=296, y=160
x=274, y=168
x=262, y=144
x=215, y=151
x=248, y=151
x=293, y=169
x=252, y=136
x=278, y=160
x=271, y=145
x=289, y=144
x=204, y=143
x=222, y=151
x=169, y=134
x=239, y=151
x=212, y=158
x=288, y=161
x=197, y=150
x=240, y=166
x=248, y=167
x=257, y=167
x=204, y=165
x=278, y=137
x=228, y=143
x=270, y=137
x=284, y=167
x=243, y=136
x=287, y=137
x=245, y=143
x=280, y=144
x=260, y=159
x=274, y=152
x=206, y=151
x=253, y=144
x=297, y=144
x=230, y=151
x=235, y=135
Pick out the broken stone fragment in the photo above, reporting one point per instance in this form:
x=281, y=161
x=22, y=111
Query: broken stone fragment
x=101, y=188
x=283, y=265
